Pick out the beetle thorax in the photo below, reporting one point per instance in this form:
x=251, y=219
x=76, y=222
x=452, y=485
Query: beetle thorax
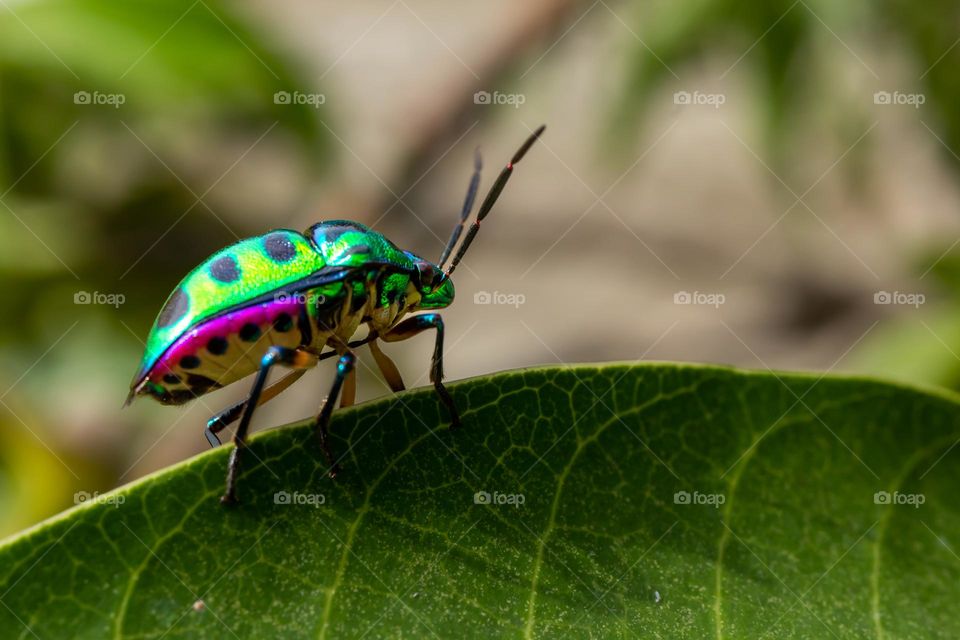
x=379, y=301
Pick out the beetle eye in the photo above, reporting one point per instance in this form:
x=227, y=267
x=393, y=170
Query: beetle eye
x=427, y=274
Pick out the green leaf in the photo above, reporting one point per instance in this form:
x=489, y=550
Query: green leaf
x=782, y=535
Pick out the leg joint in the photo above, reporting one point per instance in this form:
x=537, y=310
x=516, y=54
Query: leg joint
x=431, y=320
x=272, y=356
x=345, y=365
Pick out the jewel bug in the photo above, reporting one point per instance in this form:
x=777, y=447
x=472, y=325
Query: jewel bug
x=283, y=297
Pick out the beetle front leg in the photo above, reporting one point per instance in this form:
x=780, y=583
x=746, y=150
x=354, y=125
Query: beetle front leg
x=387, y=367
x=275, y=355
x=411, y=327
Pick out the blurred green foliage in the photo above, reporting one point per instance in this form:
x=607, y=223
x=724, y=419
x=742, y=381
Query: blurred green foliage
x=109, y=115
x=928, y=33
x=775, y=32
x=789, y=47
x=923, y=344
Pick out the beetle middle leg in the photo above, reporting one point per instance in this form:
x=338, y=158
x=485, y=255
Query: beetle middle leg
x=293, y=358
x=344, y=369
x=411, y=327
x=348, y=395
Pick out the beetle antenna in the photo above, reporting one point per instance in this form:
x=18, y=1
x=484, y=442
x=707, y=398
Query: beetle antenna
x=490, y=198
x=467, y=207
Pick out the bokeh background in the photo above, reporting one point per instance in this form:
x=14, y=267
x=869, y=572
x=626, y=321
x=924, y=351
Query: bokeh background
x=764, y=183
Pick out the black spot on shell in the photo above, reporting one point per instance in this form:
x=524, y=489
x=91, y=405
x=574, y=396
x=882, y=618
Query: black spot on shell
x=171, y=378
x=249, y=332
x=189, y=362
x=178, y=396
x=218, y=346
x=279, y=247
x=283, y=323
x=201, y=384
x=225, y=269
x=175, y=309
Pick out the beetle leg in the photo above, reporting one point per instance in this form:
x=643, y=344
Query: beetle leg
x=293, y=358
x=344, y=368
x=389, y=370
x=219, y=422
x=411, y=327
x=349, y=393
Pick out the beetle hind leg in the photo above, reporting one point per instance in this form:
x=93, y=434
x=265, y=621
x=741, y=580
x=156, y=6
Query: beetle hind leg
x=292, y=358
x=231, y=414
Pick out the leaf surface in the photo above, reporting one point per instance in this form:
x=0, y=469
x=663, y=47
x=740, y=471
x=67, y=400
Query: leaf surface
x=624, y=501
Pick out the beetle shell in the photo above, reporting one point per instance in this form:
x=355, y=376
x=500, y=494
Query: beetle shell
x=282, y=288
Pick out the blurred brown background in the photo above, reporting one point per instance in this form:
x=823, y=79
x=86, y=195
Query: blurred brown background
x=764, y=184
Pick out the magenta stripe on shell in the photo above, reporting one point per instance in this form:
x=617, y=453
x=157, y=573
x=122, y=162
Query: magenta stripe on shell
x=194, y=342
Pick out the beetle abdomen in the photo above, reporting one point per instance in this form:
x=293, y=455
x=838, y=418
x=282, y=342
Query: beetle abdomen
x=230, y=278
x=225, y=349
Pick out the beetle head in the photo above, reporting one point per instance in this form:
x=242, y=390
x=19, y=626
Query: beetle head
x=435, y=286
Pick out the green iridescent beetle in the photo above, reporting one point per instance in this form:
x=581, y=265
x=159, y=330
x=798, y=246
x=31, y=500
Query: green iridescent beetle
x=281, y=298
